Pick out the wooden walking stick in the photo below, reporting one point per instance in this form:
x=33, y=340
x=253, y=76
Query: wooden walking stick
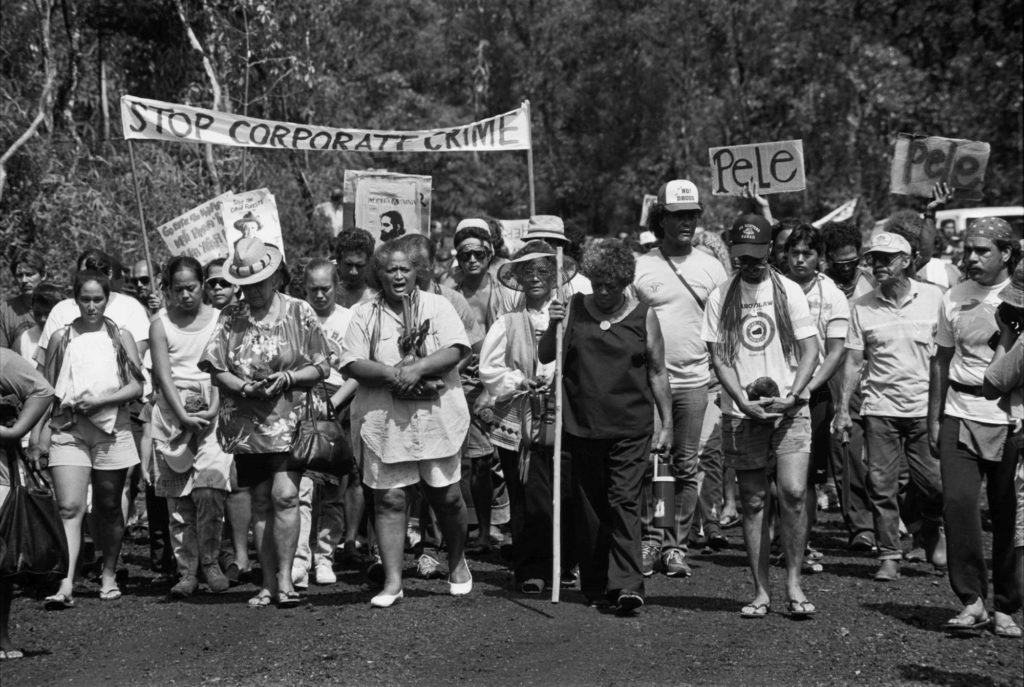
x=556, y=473
x=142, y=217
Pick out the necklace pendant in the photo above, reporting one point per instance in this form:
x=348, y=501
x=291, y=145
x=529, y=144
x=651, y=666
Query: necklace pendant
x=605, y=325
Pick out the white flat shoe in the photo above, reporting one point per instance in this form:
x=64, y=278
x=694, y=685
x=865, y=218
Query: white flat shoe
x=383, y=600
x=460, y=588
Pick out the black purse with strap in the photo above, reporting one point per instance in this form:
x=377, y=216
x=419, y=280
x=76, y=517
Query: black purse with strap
x=319, y=444
x=33, y=546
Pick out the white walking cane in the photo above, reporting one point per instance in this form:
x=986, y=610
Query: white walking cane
x=556, y=473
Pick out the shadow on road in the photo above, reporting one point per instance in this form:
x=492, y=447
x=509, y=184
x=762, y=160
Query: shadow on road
x=937, y=676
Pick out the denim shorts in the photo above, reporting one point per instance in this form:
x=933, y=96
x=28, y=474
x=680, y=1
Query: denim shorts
x=753, y=445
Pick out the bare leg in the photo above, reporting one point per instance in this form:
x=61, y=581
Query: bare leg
x=285, y=498
x=355, y=505
x=791, y=478
x=389, y=514
x=729, y=509
x=450, y=510
x=239, y=515
x=263, y=528
x=70, y=484
x=107, y=489
x=755, y=500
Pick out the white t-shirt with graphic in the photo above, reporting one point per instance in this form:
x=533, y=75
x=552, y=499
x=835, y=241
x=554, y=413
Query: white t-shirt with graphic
x=830, y=311
x=335, y=325
x=760, y=352
x=967, y=320
x=679, y=314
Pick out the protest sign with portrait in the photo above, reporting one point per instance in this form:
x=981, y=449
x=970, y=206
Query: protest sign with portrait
x=253, y=213
x=388, y=205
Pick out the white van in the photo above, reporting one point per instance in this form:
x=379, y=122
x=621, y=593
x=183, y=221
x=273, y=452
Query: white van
x=1014, y=214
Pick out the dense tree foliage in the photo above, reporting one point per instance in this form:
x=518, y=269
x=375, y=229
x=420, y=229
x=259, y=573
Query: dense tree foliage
x=624, y=95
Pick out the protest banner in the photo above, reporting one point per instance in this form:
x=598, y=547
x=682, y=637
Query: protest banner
x=775, y=167
x=919, y=162
x=645, y=209
x=840, y=214
x=387, y=204
x=253, y=213
x=198, y=232
x=512, y=231
x=142, y=118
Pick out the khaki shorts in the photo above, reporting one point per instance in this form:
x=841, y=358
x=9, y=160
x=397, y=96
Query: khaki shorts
x=85, y=445
x=439, y=472
x=753, y=445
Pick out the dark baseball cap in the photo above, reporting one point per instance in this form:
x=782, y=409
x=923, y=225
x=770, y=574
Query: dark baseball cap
x=751, y=235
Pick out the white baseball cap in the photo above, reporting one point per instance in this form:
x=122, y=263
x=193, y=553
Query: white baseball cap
x=678, y=195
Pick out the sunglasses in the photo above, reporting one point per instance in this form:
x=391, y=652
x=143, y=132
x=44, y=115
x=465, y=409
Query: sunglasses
x=478, y=255
x=844, y=264
x=144, y=281
x=217, y=283
x=883, y=259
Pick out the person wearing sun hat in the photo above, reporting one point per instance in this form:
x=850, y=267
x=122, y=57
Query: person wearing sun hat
x=264, y=354
x=889, y=343
x=972, y=435
x=551, y=230
x=763, y=346
x=520, y=385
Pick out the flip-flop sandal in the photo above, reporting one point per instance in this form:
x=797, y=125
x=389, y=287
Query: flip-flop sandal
x=966, y=623
x=731, y=521
x=800, y=609
x=1008, y=630
x=532, y=586
x=289, y=599
x=11, y=655
x=58, y=602
x=110, y=594
x=753, y=610
x=261, y=600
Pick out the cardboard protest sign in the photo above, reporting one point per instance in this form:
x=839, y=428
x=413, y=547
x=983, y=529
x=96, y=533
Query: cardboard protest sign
x=253, y=213
x=199, y=232
x=645, y=208
x=512, y=231
x=776, y=167
x=155, y=120
x=919, y=162
x=388, y=205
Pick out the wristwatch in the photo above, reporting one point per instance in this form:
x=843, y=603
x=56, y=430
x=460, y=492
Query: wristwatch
x=800, y=399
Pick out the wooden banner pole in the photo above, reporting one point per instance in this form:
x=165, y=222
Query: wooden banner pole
x=142, y=216
x=529, y=159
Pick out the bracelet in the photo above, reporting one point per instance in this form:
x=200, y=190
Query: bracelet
x=242, y=390
x=290, y=380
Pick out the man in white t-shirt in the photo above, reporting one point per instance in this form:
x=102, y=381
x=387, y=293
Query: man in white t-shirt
x=340, y=505
x=764, y=349
x=972, y=434
x=676, y=281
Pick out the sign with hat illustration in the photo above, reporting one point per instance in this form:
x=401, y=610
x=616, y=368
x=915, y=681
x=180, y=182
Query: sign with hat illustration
x=776, y=167
x=388, y=204
x=252, y=214
x=199, y=232
x=919, y=162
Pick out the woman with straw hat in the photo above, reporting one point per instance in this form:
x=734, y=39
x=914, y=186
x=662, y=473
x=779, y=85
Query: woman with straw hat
x=521, y=387
x=264, y=354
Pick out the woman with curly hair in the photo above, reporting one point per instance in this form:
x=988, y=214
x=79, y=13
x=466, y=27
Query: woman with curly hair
x=614, y=373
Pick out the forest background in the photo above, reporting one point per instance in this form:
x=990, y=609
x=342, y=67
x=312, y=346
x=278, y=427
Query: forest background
x=624, y=96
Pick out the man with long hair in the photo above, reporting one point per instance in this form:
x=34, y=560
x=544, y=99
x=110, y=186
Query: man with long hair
x=764, y=348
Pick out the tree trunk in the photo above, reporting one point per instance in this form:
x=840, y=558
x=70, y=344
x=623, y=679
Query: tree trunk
x=211, y=74
x=64, y=104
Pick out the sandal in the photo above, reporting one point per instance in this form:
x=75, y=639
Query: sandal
x=754, y=610
x=966, y=622
x=261, y=600
x=112, y=594
x=800, y=609
x=289, y=599
x=729, y=521
x=58, y=602
x=1007, y=630
x=532, y=586
x=11, y=654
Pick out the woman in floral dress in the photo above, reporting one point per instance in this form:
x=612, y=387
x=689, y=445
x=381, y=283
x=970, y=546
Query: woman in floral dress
x=266, y=352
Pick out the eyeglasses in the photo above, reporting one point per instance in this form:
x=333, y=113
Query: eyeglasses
x=217, y=283
x=478, y=255
x=143, y=281
x=543, y=273
x=882, y=259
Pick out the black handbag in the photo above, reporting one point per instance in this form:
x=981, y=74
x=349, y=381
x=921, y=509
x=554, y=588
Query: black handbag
x=319, y=444
x=34, y=546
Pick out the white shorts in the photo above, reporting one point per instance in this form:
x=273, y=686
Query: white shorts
x=85, y=445
x=438, y=472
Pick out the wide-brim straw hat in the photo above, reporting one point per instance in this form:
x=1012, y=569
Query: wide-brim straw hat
x=253, y=262
x=545, y=228
x=540, y=251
